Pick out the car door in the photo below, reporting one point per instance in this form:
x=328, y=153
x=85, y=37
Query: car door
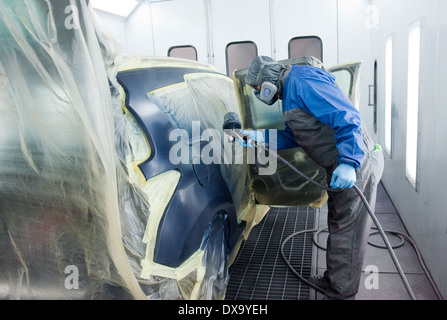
x=285, y=187
x=347, y=78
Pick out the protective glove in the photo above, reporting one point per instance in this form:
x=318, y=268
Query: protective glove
x=343, y=177
x=252, y=135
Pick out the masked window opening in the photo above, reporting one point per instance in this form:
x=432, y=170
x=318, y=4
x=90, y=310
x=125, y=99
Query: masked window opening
x=141, y=150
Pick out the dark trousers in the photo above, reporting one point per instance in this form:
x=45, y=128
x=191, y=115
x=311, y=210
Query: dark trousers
x=349, y=226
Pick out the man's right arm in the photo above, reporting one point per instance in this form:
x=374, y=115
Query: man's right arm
x=283, y=139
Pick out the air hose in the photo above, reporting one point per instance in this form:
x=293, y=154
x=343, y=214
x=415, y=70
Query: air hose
x=371, y=213
x=381, y=231
x=232, y=126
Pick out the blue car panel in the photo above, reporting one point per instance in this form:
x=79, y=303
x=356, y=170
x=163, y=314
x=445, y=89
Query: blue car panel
x=202, y=191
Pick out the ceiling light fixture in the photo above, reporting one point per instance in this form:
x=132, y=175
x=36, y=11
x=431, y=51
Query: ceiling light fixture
x=119, y=7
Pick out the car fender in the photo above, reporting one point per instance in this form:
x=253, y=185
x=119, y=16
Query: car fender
x=187, y=218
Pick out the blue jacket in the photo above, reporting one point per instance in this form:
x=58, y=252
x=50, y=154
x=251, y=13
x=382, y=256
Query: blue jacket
x=313, y=90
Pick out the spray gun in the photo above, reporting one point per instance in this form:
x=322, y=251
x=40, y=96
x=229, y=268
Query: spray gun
x=232, y=127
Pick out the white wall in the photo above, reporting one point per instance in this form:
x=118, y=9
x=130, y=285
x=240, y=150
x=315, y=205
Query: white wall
x=179, y=22
x=354, y=43
x=303, y=18
x=154, y=27
x=437, y=222
x=115, y=25
x=422, y=211
x=249, y=22
x=139, y=32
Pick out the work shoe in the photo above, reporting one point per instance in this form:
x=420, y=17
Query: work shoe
x=320, y=281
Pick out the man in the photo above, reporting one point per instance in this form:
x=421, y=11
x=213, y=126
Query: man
x=323, y=122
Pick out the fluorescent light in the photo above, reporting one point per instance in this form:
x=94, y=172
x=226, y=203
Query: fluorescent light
x=119, y=7
x=414, y=50
x=388, y=92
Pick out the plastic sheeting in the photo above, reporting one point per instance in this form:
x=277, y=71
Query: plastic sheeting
x=205, y=98
x=59, y=167
x=74, y=211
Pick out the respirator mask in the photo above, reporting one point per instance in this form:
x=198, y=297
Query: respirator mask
x=268, y=93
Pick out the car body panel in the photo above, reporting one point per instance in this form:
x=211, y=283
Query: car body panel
x=347, y=78
x=194, y=204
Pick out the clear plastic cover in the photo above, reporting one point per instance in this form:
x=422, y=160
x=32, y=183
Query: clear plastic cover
x=205, y=98
x=60, y=171
x=75, y=214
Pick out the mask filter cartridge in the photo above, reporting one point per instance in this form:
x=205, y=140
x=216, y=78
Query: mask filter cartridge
x=268, y=93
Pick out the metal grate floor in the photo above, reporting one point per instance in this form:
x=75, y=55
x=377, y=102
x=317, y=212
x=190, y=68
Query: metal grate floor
x=259, y=272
